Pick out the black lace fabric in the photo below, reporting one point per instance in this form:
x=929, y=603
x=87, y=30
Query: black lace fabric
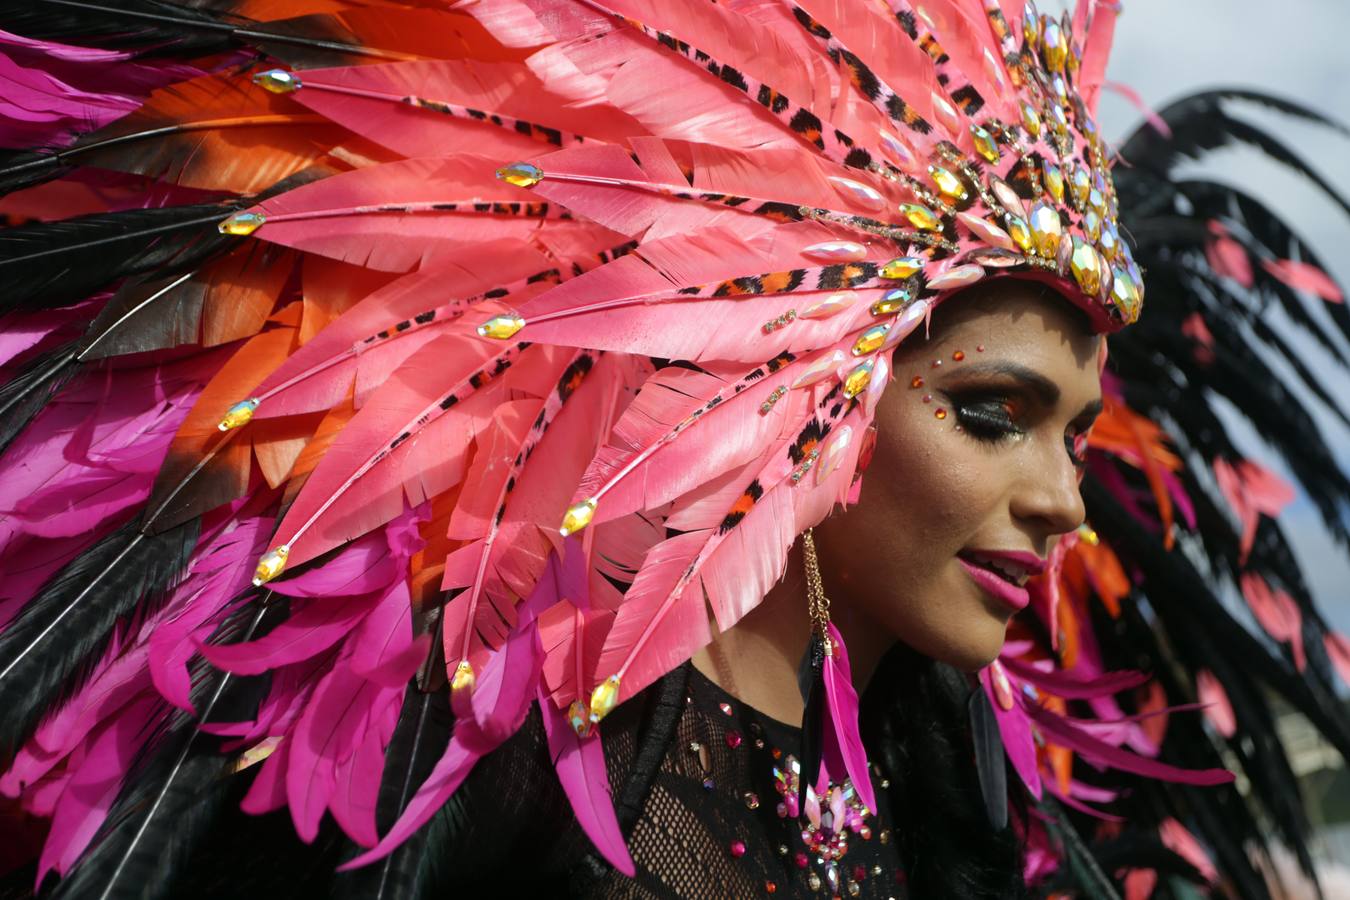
x=708, y=820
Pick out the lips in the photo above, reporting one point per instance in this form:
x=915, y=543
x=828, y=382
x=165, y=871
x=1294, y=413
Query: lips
x=1002, y=573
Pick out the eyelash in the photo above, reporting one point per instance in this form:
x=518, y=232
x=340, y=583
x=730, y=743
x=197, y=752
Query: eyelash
x=991, y=420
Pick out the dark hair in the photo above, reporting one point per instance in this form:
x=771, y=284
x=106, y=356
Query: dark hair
x=916, y=727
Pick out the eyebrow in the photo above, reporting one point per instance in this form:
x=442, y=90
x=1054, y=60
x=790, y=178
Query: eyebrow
x=1046, y=391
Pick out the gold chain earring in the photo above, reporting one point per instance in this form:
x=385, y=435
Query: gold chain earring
x=817, y=604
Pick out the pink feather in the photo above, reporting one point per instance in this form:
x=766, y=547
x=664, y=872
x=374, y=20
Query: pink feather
x=1015, y=730
x=843, y=748
x=1061, y=732
x=581, y=769
x=1218, y=709
x=315, y=627
x=1303, y=276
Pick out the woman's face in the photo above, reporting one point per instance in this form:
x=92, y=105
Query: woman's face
x=974, y=472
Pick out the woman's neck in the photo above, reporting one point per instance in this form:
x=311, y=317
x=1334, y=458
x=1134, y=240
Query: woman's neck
x=756, y=661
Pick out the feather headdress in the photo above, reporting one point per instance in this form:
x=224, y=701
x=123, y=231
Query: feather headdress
x=553, y=334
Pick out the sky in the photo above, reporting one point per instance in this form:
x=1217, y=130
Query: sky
x=1166, y=49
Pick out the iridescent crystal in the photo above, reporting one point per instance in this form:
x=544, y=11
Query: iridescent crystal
x=898, y=149
x=836, y=251
x=502, y=327
x=857, y=380
x=948, y=184
x=1109, y=242
x=994, y=257
x=921, y=217
x=521, y=174
x=985, y=230
x=1031, y=25
x=1053, y=178
x=1020, y=233
x=270, y=565
x=834, y=303
x=892, y=302
x=1080, y=185
x=238, y=415
x=1096, y=201
x=579, y=717
x=578, y=516
x=1010, y=199
x=464, y=678
x=1063, y=257
x=820, y=369
x=1060, y=88
x=902, y=267
x=946, y=113
x=834, y=453
x=278, y=81
x=604, y=698
x=1092, y=224
x=863, y=195
x=1031, y=120
x=1059, y=120
x=1046, y=230
x=1086, y=266
x=870, y=340
x=1054, y=48
x=957, y=276
x=242, y=224
x=998, y=680
x=1124, y=294
x=985, y=144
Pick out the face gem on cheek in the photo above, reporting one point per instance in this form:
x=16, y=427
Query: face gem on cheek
x=959, y=355
x=939, y=413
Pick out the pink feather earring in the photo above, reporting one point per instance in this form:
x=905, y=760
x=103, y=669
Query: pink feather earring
x=830, y=737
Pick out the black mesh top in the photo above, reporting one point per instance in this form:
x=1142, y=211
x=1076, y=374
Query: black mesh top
x=699, y=780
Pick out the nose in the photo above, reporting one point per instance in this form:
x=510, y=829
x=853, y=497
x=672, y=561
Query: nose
x=1047, y=496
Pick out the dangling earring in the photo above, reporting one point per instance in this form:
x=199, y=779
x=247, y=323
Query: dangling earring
x=830, y=717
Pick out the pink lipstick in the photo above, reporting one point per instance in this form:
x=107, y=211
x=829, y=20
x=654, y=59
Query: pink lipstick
x=1003, y=573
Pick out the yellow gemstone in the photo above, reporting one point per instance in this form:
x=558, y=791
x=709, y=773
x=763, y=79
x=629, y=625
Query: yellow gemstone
x=1031, y=25
x=858, y=379
x=1045, y=230
x=1031, y=120
x=521, y=174
x=270, y=565
x=1109, y=242
x=1092, y=224
x=985, y=144
x=892, y=302
x=579, y=717
x=1019, y=232
x=1086, y=267
x=1054, y=180
x=921, y=217
x=501, y=328
x=604, y=698
x=951, y=187
x=238, y=415
x=242, y=224
x=578, y=516
x=1081, y=185
x=1087, y=535
x=1124, y=294
x=901, y=267
x=1060, y=88
x=1054, y=48
x=870, y=340
x=1096, y=200
x=278, y=81
x=464, y=678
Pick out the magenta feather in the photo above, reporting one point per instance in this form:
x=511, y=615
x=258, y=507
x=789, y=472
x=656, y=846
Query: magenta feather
x=580, y=763
x=842, y=744
x=1071, y=686
x=1015, y=729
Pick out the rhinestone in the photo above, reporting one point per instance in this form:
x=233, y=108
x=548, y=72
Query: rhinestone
x=959, y=355
x=733, y=739
x=770, y=887
x=836, y=251
x=578, y=516
x=857, y=380
x=278, y=81
x=915, y=313
x=579, y=717
x=948, y=184
x=985, y=144
x=992, y=257
x=834, y=303
x=897, y=149
x=940, y=413
x=709, y=784
x=820, y=369
x=1012, y=202
x=863, y=195
x=946, y=114
x=751, y=800
x=1003, y=691
x=270, y=565
x=1019, y=232
x=238, y=415
x=1059, y=88
x=902, y=267
x=1080, y=185
x=985, y=230
x=1054, y=180
x=1086, y=266
x=854, y=889
x=604, y=698
x=464, y=678
x=1124, y=294
x=892, y=302
x=521, y=174
x=501, y=328
x=1096, y=201
x=242, y=224
x=1063, y=257
x=725, y=708
x=800, y=860
x=1109, y=242
x=1031, y=121
x=1045, y=229
x=958, y=276
x=813, y=881
x=737, y=849
x=921, y=217
x=1092, y=224
x=1031, y=25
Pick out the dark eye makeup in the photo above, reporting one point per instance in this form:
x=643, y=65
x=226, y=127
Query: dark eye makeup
x=994, y=415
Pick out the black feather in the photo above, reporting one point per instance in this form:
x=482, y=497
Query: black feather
x=1080, y=865
x=989, y=759
x=173, y=796
x=46, y=649
x=24, y=395
x=811, y=682
x=151, y=28
x=51, y=264
x=419, y=739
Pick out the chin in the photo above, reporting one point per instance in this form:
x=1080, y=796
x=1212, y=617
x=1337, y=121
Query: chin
x=976, y=647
